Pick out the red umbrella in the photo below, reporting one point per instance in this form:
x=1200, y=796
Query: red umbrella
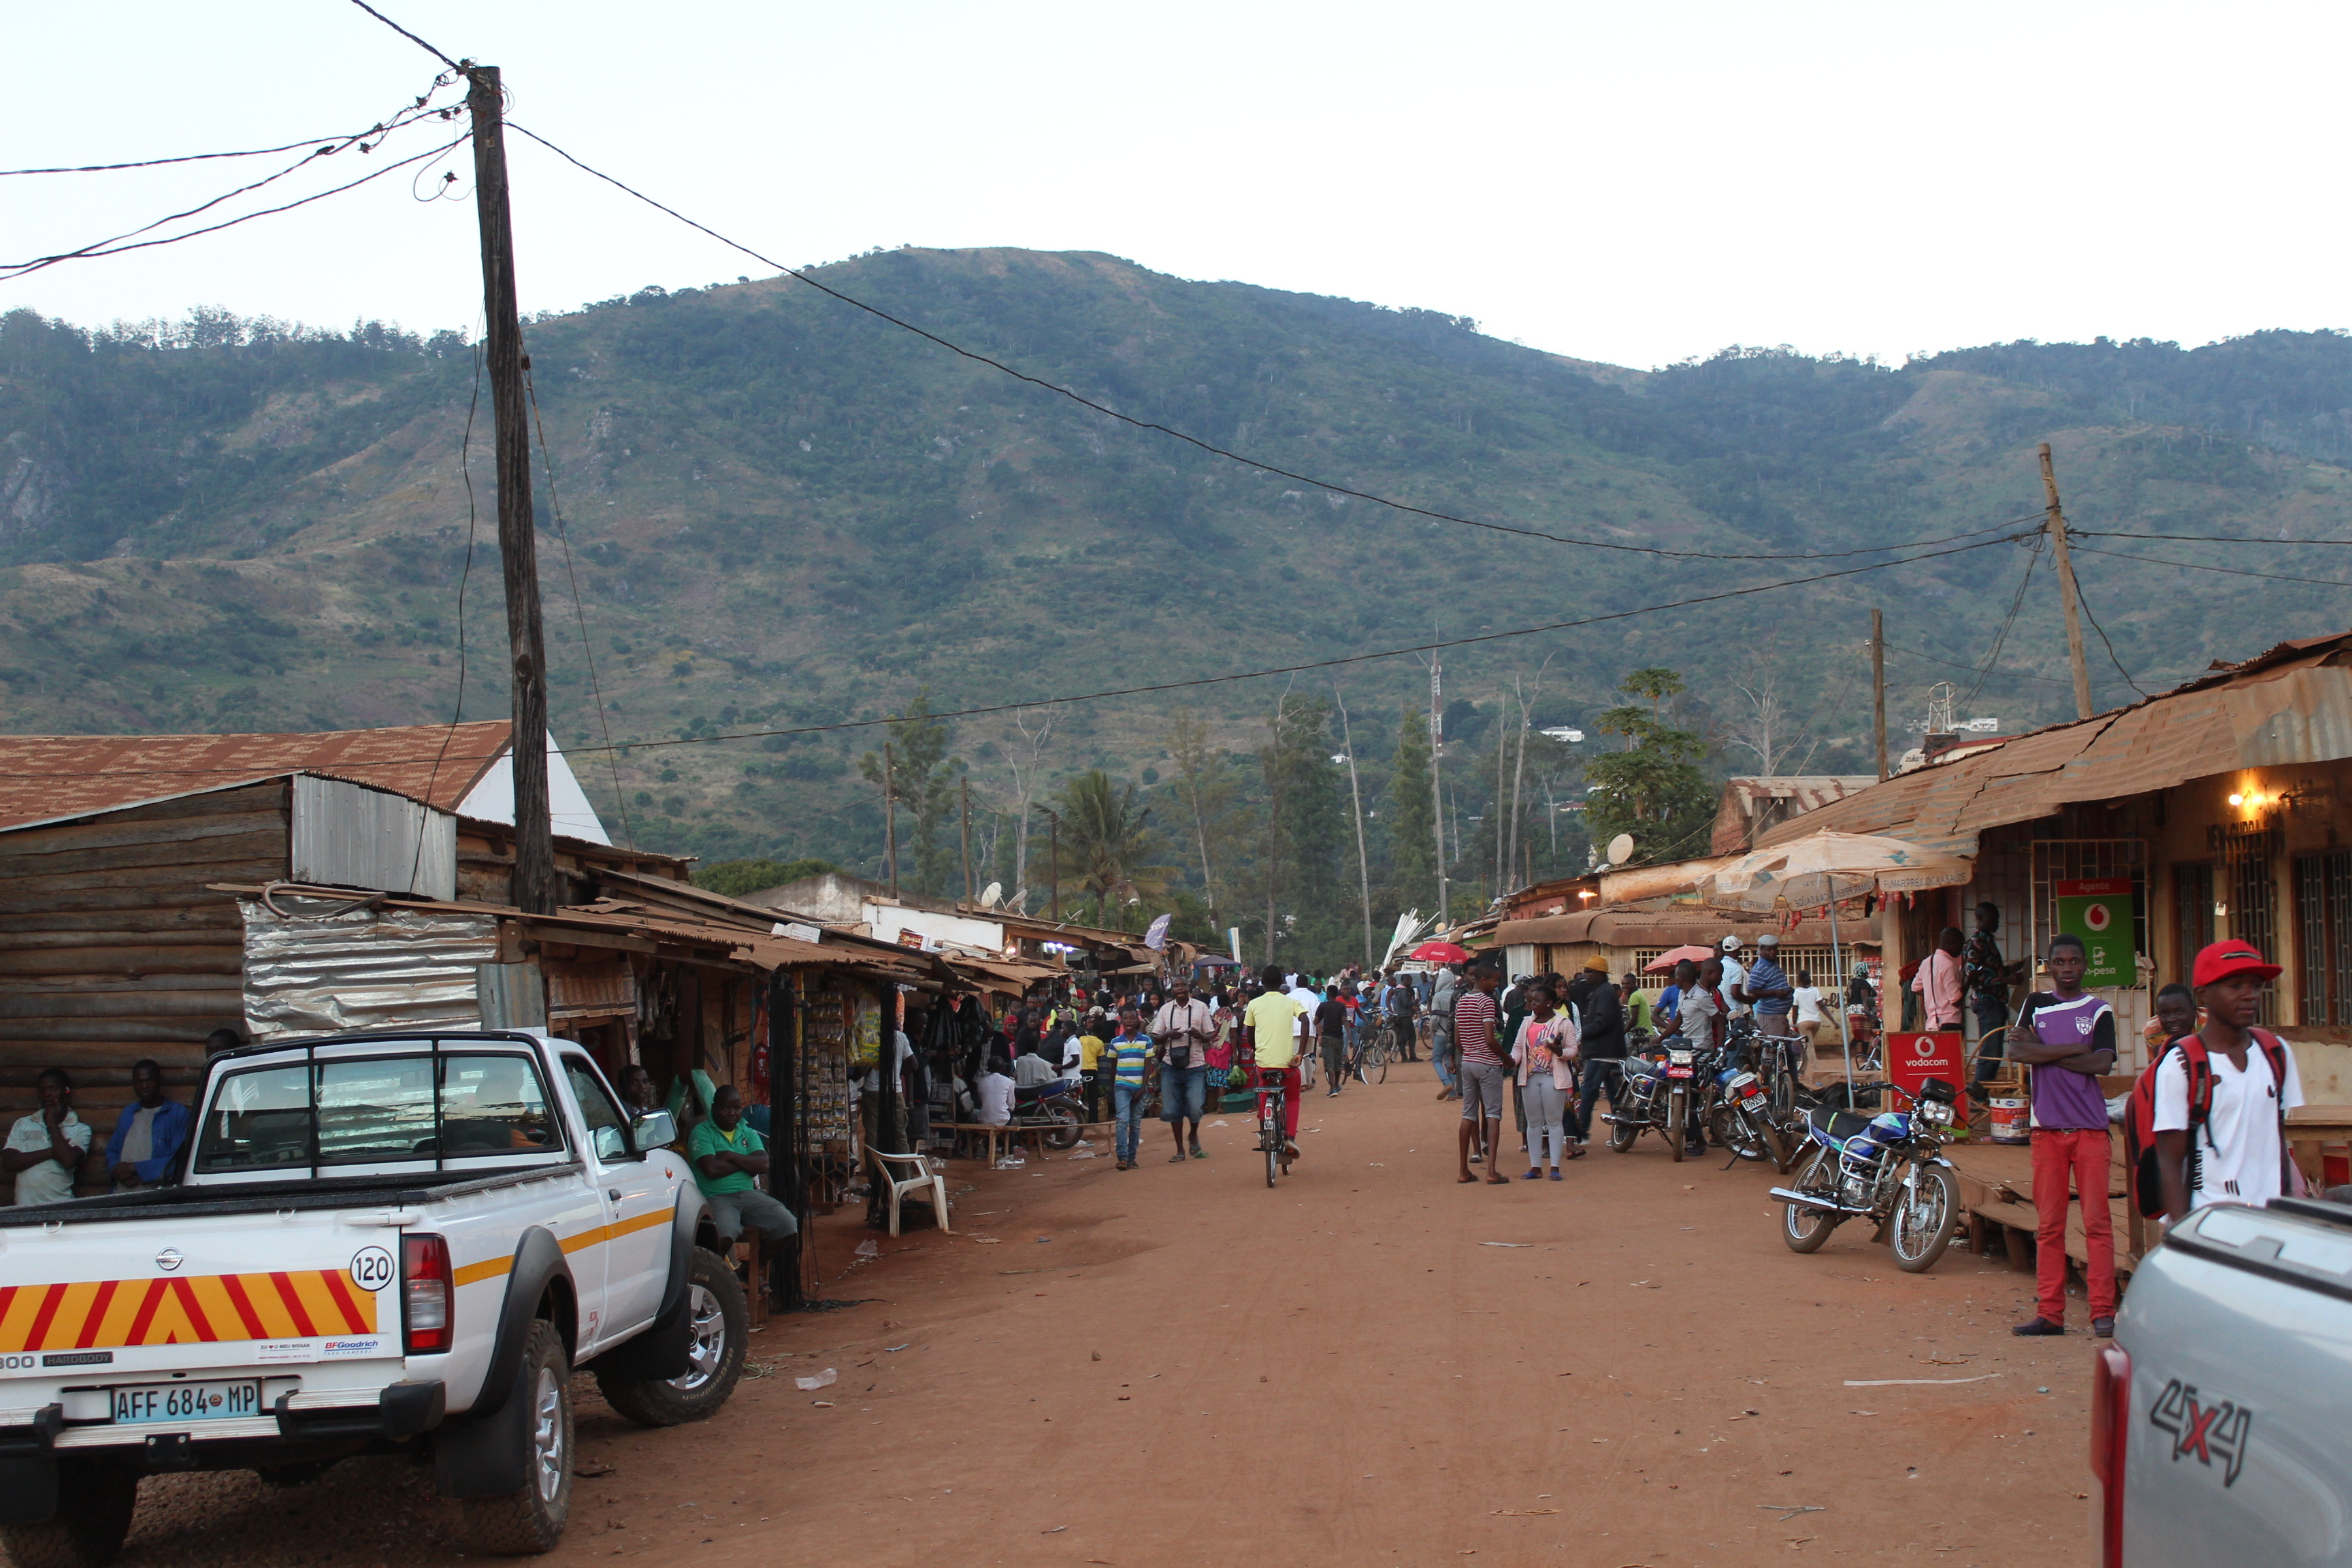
x=1665, y=961
x=1442, y=953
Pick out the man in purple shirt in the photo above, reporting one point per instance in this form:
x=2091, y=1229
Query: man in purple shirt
x=2067, y=1037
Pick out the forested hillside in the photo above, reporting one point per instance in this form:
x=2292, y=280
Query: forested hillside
x=782, y=512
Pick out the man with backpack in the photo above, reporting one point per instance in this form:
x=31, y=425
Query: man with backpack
x=2067, y=1036
x=2218, y=1106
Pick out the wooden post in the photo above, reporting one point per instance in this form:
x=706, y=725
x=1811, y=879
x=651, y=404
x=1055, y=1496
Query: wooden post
x=534, y=869
x=890, y=819
x=963, y=787
x=787, y=1167
x=2067, y=599
x=1878, y=687
x=1502, y=749
x=1436, y=792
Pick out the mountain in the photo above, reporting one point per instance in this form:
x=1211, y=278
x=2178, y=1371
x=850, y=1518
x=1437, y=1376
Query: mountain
x=782, y=510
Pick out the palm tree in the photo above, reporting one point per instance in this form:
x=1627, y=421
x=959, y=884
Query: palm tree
x=1108, y=842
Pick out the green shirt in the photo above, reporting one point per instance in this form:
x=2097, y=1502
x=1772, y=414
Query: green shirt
x=709, y=1138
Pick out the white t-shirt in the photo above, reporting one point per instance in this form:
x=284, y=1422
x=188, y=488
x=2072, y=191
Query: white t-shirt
x=901, y=1053
x=48, y=1182
x=1809, y=1005
x=1308, y=1001
x=993, y=1091
x=1735, y=973
x=2241, y=1145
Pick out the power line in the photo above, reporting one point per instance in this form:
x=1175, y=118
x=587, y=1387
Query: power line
x=2016, y=602
x=313, y=142
x=1158, y=687
x=465, y=576
x=1963, y=664
x=404, y=33
x=1210, y=447
x=2074, y=532
x=11, y=270
x=579, y=607
x=2227, y=571
x=2080, y=598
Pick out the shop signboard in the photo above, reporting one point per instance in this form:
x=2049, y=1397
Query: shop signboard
x=2100, y=911
x=1913, y=1058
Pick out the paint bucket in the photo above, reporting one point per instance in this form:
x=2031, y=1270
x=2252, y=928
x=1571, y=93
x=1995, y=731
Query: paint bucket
x=2011, y=1122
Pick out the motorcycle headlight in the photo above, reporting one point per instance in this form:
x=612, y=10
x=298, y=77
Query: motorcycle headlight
x=1935, y=1113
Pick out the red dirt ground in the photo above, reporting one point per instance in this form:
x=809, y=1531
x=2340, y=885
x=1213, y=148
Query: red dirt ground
x=1370, y=1364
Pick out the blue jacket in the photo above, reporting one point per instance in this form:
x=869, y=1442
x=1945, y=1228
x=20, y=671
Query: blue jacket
x=171, y=1131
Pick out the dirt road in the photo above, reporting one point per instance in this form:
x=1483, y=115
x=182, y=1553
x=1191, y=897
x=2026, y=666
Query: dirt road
x=1369, y=1365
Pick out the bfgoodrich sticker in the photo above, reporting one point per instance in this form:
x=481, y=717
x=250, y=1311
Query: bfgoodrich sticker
x=342, y=1350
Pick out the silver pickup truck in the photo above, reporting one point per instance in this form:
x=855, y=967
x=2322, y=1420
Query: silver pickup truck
x=2219, y=1412
x=379, y=1240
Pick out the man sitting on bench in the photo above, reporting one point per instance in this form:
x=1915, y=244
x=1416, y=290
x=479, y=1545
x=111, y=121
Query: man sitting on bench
x=727, y=1158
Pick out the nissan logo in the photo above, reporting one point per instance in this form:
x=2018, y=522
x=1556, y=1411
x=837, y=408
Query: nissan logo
x=168, y=1259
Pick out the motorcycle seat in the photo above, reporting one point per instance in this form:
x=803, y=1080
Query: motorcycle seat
x=1836, y=1126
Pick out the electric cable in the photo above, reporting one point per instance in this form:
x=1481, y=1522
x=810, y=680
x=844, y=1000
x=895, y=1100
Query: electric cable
x=436, y=53
x=2084, y=601
x=986, y=708
x=579, y=607
x=96, y=249
x=2072, y=532
x=2226, y=571
x=2015, y=603
x=465, y=576
x=1106, y=410
x=311, y=142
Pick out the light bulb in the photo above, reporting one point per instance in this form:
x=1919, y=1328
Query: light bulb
x=2237, y=799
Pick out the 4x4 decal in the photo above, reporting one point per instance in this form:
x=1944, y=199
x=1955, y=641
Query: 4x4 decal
x=2210, y=1432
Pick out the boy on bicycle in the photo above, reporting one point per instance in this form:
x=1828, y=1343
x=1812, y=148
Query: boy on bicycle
x=1268, y=1033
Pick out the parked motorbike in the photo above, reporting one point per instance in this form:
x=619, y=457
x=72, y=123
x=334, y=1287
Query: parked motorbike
x=1659, y=1085
x=1055, y=1107
x=1736, y=1114
x=1889, y=1169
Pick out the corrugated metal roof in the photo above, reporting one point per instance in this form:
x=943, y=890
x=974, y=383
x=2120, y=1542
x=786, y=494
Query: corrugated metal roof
x=368, y=969
x=1640, y=928
x=2289, y=706
x=49, y=778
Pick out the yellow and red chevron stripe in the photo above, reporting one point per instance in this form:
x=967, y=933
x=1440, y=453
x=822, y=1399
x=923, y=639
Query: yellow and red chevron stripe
x=110, y=1314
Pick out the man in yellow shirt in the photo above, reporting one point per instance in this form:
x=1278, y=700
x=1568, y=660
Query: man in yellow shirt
x=1266, y=1031
x=1090, y=1073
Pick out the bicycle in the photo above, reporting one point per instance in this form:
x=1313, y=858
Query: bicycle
x=1272, y=1098
x=1371, y=1062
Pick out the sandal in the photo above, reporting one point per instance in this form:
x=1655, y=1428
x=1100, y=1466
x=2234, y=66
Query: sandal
x=1496, y=1181
x=1466, y=1176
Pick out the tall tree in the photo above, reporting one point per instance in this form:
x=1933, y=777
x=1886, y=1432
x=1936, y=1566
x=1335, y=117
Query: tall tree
x=1411, y=842
x=1206, y=793
x=1109, y=847
x=1651, y=787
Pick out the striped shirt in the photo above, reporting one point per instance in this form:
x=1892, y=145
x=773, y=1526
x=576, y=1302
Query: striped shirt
x=1475, y=1017
x=1130, y=1053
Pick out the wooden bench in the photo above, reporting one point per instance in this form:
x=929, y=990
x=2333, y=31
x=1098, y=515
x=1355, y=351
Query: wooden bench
x=995, y=1137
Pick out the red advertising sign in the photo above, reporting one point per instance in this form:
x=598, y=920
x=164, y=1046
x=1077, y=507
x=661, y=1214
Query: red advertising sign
x=1912, y=1060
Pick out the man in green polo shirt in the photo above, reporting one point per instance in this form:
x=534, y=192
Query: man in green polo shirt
x=727, y=1158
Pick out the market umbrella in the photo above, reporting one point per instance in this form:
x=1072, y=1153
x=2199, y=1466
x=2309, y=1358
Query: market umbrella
x=1818, y=870
x=1665, y=961
x=1442, y=953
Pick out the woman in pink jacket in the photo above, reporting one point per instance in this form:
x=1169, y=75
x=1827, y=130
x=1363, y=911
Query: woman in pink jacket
x=1545, y=1051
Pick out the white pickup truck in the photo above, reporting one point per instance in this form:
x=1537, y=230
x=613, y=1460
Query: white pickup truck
x=379, y=1239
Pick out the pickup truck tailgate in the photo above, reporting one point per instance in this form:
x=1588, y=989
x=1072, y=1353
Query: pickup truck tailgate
x=306, y=1304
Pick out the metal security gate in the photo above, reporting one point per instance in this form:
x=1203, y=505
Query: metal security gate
x=2323, y=908
x=2248, y=886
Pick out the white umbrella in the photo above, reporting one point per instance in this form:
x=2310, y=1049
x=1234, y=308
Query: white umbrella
x=1819, y=870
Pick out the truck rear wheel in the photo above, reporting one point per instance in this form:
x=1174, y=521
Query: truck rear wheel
x=95, y=1498
x=717, y=1326
x=531, y=1521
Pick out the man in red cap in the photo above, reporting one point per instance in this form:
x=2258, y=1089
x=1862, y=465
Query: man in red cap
x=2220, y=1107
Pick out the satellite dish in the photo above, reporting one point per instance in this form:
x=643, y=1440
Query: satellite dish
x=990, y=894
x=1621, y=849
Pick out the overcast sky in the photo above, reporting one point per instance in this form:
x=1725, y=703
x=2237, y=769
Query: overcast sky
x=1635, y=183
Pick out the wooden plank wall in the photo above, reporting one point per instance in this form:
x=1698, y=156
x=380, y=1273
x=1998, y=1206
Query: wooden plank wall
x=111, y=949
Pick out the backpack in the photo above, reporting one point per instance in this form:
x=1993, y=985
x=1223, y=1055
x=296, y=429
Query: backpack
x=2139, y=1117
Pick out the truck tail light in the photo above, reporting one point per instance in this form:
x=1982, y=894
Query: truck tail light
x=2110, y=1438
x=428, y=1294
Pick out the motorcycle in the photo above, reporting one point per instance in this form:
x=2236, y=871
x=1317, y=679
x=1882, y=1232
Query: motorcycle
x=1658, y=1083
x=1056, y=1108
x=1889, y=1169
x=1755, y=1113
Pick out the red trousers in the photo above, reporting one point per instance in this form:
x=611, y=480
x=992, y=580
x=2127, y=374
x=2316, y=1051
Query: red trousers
x=1288, y=1078
x=2080, y=1154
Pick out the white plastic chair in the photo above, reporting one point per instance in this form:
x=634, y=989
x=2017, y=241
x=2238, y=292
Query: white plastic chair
x=902, y=1185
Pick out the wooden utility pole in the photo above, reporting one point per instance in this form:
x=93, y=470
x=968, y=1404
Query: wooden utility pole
x=2066, y=596
x=889, y=818
x=963, y=787
x=1878, y=687
x=1502, y=749
x=1356, y=797
x=534, y=867
x=1053, y=853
